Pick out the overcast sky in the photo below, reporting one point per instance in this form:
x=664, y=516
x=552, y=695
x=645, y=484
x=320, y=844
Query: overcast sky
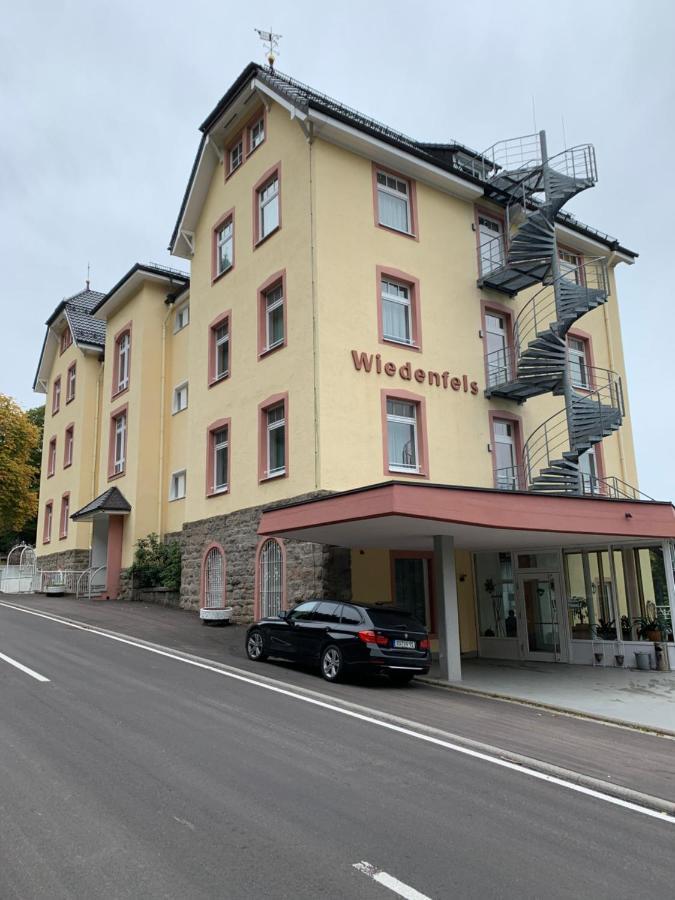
x=100, y=105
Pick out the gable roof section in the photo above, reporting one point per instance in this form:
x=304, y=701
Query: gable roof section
x=111, y=501
x=304, y=102
x=88, y=333
x=139, y=273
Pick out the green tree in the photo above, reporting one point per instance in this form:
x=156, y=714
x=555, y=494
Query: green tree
x=20, y=456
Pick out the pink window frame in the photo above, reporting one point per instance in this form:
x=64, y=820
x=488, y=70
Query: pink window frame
x=220, y=224
x=493, y=306
x=214, y=545
x=48, y=522
x=56, y=403
x=70, y=429
x=513, y=419
x=270, y=403
x=63, y=520
x=256, y=583
x=279, y=278
x=261, y=183
x=210, y=449
x=256, y=117
x=244, y=135
x=115, y=391
x=212, y=356
x=412, y=204
x=413, y=286
x=71, y=368
x=51, y=456
x=422, y=435
x=498, y=216
x=121, y=410
x=66, y=339
x=587, y=340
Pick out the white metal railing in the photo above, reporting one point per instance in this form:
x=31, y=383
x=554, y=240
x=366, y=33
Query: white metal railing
x=87, y=581
x=66, y=578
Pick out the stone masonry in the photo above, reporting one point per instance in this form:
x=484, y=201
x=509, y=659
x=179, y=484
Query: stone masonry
x=77, y=560
x=312, y=570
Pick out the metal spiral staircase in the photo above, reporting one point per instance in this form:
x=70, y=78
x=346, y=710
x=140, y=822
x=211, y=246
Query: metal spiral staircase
x=534, y=188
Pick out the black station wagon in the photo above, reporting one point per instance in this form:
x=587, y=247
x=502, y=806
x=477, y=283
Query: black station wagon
x=344, y=637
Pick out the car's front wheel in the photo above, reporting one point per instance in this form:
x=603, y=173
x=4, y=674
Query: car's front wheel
x=401, y=678
x=332, y=664
x=255, y=646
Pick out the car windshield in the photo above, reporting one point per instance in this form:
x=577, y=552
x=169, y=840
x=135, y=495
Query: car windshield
x=394, y=618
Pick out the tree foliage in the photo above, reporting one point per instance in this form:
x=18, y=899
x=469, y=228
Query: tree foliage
x=20, y=456
x=156, y=564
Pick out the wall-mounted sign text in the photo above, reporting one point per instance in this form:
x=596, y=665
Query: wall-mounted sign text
x=369, y=362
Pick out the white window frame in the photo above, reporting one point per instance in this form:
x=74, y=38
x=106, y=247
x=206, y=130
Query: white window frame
x=49, y=521
x=71, y=378
x=234, y=156
x=256, y=134
x=264, y=201
x=69, y=439
x=120, y=443
x=219, y=342
x=580, y=356
x=271, y=308
x=494, y=229
x=217, y=446
x=175, y=485
x=51, y=457
x=590, y=480
x=181, y=390
x=569, y=265
x=405, y=302
x=393, y=418
x=123, y=348
x=498, y=358
x=56, y=396
x=224, y=236
x=65, y=513
x=510, y=483
x=386, y=188
x=270, y=427
x=182, y=318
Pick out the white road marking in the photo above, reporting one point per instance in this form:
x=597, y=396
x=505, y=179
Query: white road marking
x=371, y=720
x=388, y=881
x=18, y=665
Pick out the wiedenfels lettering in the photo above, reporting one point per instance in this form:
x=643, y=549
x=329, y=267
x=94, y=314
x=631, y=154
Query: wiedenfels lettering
x=366, y=362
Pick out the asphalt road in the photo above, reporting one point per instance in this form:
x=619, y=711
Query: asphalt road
x=130, y=774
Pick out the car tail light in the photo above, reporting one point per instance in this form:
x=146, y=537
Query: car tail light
x=370, y=637
x=424, y=644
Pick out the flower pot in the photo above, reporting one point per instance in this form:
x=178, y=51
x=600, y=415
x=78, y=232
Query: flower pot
x=598, y=657
x=618, y=658
x=642, y=661
x=653, y=635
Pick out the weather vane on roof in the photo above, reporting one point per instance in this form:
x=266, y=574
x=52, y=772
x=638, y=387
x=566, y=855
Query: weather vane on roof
x=271, y=42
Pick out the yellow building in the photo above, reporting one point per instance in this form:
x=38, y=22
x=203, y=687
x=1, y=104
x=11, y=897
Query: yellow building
x=395, y=373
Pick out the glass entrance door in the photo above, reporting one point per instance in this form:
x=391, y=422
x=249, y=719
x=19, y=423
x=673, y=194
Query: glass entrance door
x=411, y=587
x=539, y=598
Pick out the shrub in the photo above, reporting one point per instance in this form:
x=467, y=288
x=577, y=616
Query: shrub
x=156, y=564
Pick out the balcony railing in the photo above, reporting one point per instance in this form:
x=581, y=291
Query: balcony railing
x=512, y=478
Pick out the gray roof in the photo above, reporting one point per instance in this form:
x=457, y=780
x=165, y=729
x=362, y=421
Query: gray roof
x=86, y=329
x=110, y=501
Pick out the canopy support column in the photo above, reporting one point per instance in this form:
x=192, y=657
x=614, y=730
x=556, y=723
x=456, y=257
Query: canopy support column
x=445, y=584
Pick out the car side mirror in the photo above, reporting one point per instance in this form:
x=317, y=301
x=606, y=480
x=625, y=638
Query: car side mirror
x=283, y=614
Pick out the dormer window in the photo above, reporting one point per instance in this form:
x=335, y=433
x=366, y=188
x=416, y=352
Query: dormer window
x=66, y=339
x=256, y=134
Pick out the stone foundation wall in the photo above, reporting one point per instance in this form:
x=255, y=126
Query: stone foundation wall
x=65, y=559
x=312, y=570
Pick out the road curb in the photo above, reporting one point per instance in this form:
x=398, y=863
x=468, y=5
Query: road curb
x=609, y=789
x=549, y=707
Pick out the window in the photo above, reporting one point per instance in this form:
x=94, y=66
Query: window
x=402, y=443
x=180, y=397
x=496, y=343
x=218, y=458
x=70, y=383
x=66, y=339
x=177, y=488
x=51, y=458
x=506, y=469
x=396, y=312
x=119, y=443
x=256, y=134
x=219, y=348
x=328, y=612
x=122, y=360
x=68, y=444
x=589, y=472
x=182, y=318
x=496, y=595
x=213, y=578
x=578, y=360
x=271, y=579
x=56, y=396
x=304, y=612
x=393, y=202
x=236, y=156
x=273, y=315
x=65, y=514
x=268, y=218
x=275, y=424
x=490, y=244
x=224, y=246
x=47, y=527
x=569, y=266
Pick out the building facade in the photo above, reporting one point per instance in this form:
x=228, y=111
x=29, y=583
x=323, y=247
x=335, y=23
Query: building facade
x=394, y=373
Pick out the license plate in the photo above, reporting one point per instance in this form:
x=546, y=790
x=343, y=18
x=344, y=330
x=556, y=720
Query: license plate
x=405, y=645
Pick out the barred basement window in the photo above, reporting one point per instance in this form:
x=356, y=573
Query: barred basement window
x=271, y=578
x=214, y=579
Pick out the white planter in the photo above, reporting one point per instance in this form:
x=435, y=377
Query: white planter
x=215, y=615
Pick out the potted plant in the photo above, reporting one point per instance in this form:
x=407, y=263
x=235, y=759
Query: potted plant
x=626, y=628
x=650, y=628
x=605, y=630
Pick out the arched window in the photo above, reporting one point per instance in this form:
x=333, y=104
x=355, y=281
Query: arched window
x=271, y=578
x=213, y=578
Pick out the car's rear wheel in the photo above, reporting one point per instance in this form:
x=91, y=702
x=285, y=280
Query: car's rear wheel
x=332, y=664
x=255, y=646
x=401, y=678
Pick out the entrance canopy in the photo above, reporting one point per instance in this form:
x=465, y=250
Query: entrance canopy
x=405, y=516
x=110, y=503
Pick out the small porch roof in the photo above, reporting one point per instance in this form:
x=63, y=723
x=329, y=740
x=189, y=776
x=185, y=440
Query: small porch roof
x=110, y=503
x=405, y=516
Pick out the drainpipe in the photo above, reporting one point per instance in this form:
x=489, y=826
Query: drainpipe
x=170, y=300
x=610, y=353
x=315, y=312
x=97, y=446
